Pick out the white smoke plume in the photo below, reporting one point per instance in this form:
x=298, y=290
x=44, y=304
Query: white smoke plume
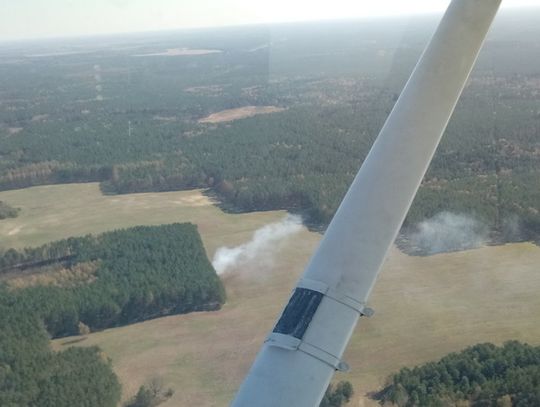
x=511, y=228
x=262, y=245
x=446, y=232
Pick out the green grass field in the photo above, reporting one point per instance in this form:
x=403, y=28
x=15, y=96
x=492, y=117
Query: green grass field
x=425, y=306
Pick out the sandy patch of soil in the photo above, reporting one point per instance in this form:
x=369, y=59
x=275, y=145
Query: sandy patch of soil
x=209, y=90
x=174, y=52
x=239, y=113
x=194, y=200
x=165, y=118
x=14, y=130
x=14, y=231
x=39, y=117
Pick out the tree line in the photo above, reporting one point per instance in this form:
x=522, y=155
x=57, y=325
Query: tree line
x=140, y=273
x=7, y=211
x=337, y=395
x=305, y=158
x=481, y=375
x=32, y=375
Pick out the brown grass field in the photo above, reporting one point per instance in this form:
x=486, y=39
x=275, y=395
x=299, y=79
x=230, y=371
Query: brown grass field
x=55, y=212
x=425, y=306
x=239, y=113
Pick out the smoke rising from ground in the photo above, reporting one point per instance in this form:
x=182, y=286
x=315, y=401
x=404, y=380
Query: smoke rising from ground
x=446, y=232
x=262, y=246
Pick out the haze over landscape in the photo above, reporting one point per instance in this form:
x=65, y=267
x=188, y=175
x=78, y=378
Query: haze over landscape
x=161, y=193
x=24, y=19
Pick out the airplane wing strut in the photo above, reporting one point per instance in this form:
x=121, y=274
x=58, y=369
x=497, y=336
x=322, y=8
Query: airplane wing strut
x=301, y=354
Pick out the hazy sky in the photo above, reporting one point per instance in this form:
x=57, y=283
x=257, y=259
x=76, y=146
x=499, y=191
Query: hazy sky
x=57, y=18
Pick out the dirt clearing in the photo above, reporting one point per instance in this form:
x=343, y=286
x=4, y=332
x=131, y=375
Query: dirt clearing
x=174, y=52
x=230, y=115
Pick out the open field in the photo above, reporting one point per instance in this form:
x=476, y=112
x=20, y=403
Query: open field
x=59, y=211
x=425, y=306
x=230, y=115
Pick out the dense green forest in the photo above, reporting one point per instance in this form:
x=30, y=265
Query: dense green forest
x=31, y=375
x=88, y=111
x=337, y=395
x=7, y=211
x=482, y=375
x=92, y=282
x=151, y=394
x=115, y=278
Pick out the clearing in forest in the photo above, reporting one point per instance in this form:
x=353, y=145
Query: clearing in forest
x=174, y=52
x=230, y=115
